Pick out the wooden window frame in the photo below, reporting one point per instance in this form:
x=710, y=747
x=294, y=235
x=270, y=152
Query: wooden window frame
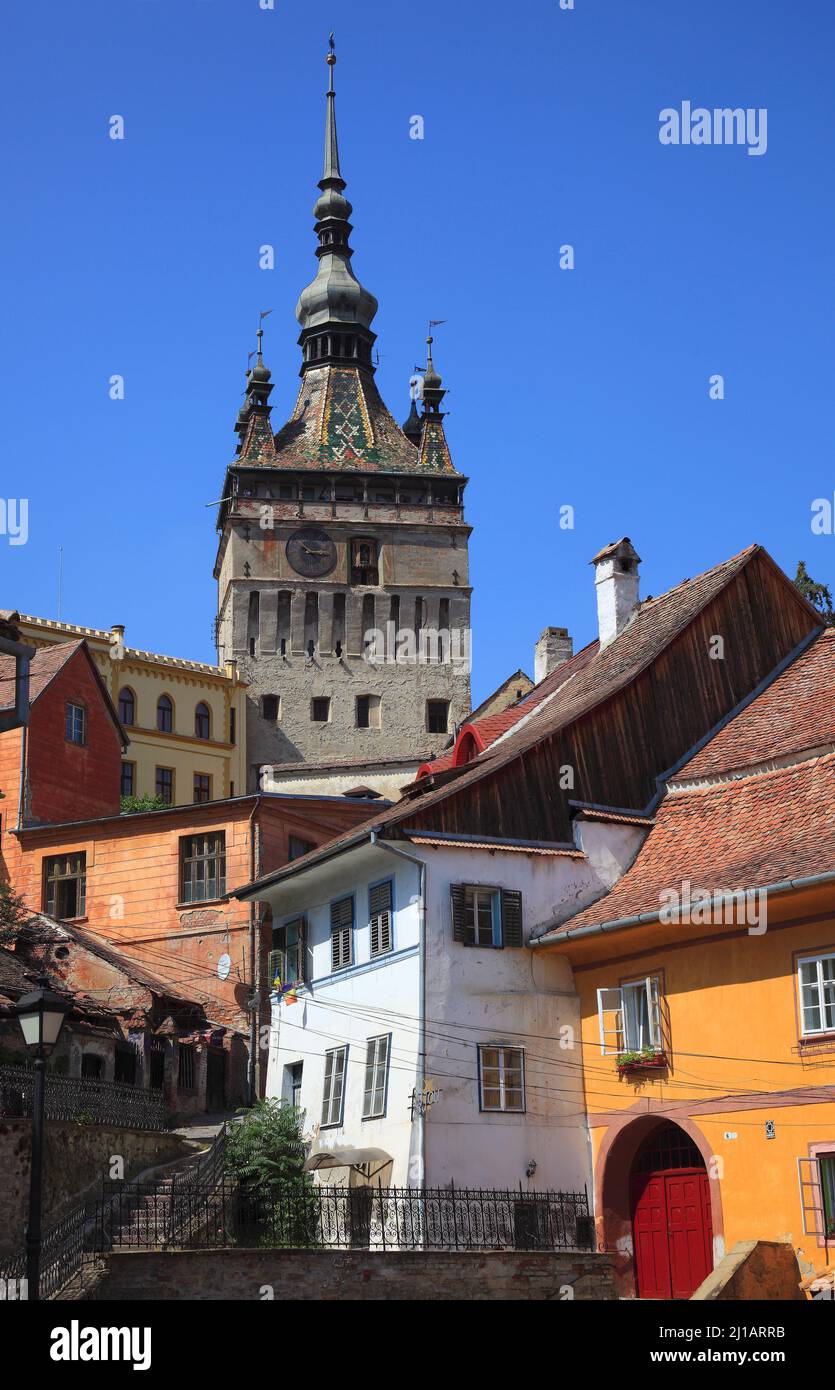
x=807, y=958
x=445, y=729
x=283, y=952
x=52, y=880
x=314, y=701
x=202, y=800
x=198, y=717
x=157, y=792
x=502, y=1108
x=189, y=879
x=126, y=762
x=127, y=723
x=507, y=913
x=329, y=1090
x=617, y=1005
x=73, y=708
x=373, y=1067
x=169, y=710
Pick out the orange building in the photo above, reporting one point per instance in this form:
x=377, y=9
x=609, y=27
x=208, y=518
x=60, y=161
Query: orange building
x=151, y=884
x=706, y=979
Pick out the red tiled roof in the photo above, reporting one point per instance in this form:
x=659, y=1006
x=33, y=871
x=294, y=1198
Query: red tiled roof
x=44, y=666
x=796, y=711
x=735, y=835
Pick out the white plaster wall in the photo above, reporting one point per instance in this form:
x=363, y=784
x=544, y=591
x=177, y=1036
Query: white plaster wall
x=368, y=999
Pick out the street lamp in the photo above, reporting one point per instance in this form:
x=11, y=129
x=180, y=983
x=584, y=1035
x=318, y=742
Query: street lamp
x=41, y=1015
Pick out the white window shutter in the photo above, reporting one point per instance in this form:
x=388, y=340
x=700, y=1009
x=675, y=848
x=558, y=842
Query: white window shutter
x=654, y=1012
x=610, y=1019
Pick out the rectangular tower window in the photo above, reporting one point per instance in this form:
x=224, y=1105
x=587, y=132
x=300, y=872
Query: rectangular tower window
x=270, y=706
x=338, y=631
x=437, y=716
x=368, y=712
x=320, y=709
x=254, y=622
x=311, y=623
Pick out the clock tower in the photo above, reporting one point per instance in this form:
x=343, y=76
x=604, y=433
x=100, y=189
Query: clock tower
x=342, y=567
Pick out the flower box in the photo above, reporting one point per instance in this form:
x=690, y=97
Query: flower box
x=639, y=1062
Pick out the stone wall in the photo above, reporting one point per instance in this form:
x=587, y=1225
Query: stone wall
x=76, y=1157
x=354, y=1275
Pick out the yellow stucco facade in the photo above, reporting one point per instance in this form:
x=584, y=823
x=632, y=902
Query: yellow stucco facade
x=183, y=753
x=741, y=1074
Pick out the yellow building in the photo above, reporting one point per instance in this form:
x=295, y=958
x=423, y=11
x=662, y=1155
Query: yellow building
x=706, y=980
x=186, y=720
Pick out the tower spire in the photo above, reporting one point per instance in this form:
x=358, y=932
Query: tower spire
x=335, y=311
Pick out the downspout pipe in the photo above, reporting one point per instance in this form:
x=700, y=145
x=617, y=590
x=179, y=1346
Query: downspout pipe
x=421, y=865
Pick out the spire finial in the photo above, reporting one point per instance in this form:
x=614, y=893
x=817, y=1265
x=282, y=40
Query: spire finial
x=433, y=392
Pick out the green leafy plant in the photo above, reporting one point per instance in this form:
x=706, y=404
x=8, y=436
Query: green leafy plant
x=131, y=804
x=14, y=914
x=636, y=1059
x=266, y=1153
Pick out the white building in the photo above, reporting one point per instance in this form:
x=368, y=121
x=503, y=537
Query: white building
x=426, y=1042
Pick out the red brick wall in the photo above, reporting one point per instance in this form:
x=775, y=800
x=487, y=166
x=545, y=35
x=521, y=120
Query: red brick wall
x=68, y=781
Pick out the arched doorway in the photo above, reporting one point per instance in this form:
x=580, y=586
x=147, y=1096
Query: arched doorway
x=671, y=1223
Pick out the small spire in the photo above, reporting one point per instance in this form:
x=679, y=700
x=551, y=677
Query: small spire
x=433, y=392
x=332, y=170
x=412, y=427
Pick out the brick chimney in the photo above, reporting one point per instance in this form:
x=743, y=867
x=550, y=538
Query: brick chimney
x=616, y=579
x=553, y=648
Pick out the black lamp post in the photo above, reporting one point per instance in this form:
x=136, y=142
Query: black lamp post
x=41, y=1016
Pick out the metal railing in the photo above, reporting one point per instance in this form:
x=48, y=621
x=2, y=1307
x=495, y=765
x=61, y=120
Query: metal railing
x=82, y=1099
x=404, y=1218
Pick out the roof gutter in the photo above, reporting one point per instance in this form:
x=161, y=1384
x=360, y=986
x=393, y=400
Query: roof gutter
x=785, y=885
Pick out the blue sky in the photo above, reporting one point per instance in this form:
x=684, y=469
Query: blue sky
x=586, y=388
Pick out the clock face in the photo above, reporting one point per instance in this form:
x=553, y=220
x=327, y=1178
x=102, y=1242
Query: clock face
x=311, y=552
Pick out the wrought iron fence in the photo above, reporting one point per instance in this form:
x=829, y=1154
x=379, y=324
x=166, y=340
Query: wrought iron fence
x=404, y=1218
x=82, y=1099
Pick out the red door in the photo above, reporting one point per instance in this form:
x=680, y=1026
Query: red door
x=671, y=1226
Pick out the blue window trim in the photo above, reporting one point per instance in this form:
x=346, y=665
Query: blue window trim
x=378, y=883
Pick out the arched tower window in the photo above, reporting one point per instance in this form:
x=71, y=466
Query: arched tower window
x=165, y=714
x=202, y=721
x=127, y=706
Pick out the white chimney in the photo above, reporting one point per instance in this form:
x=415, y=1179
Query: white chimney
x=616, y=580
x=553, y=648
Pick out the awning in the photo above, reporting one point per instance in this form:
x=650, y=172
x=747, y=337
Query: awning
x=370, y=1161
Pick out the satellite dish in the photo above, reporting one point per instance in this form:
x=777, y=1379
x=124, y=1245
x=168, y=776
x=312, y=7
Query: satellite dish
x=224, y=965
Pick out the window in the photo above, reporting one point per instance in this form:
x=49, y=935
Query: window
x=286, y=961
x=816, y=978
x=379, y=911
x=202, y=786
x=501, y=1072
x=368, y=712
x=320, y=709
x=127, y=706
x=826, y=1181
x=65, y=885
x=128, y=786
x=233, y=725
x=185, y=1074
x=486, y=916
x=76, y=723
x=202, y=721
x=364, y=561
x=334, y=1091
x=165, y=784
x=342, y=924
x=437, y=716
x=203, y=867
x=269, y=708
x=630, y=1017
x=293, y=1075
x=165, y=714
x=376, y=1077
x=297, y=847
x=92, y=1066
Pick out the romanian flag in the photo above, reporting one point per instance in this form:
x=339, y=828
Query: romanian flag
x=287, y=993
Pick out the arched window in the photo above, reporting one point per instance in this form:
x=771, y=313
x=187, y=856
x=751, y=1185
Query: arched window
x=127, y=706
x=202, y=721
x=165, y=714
